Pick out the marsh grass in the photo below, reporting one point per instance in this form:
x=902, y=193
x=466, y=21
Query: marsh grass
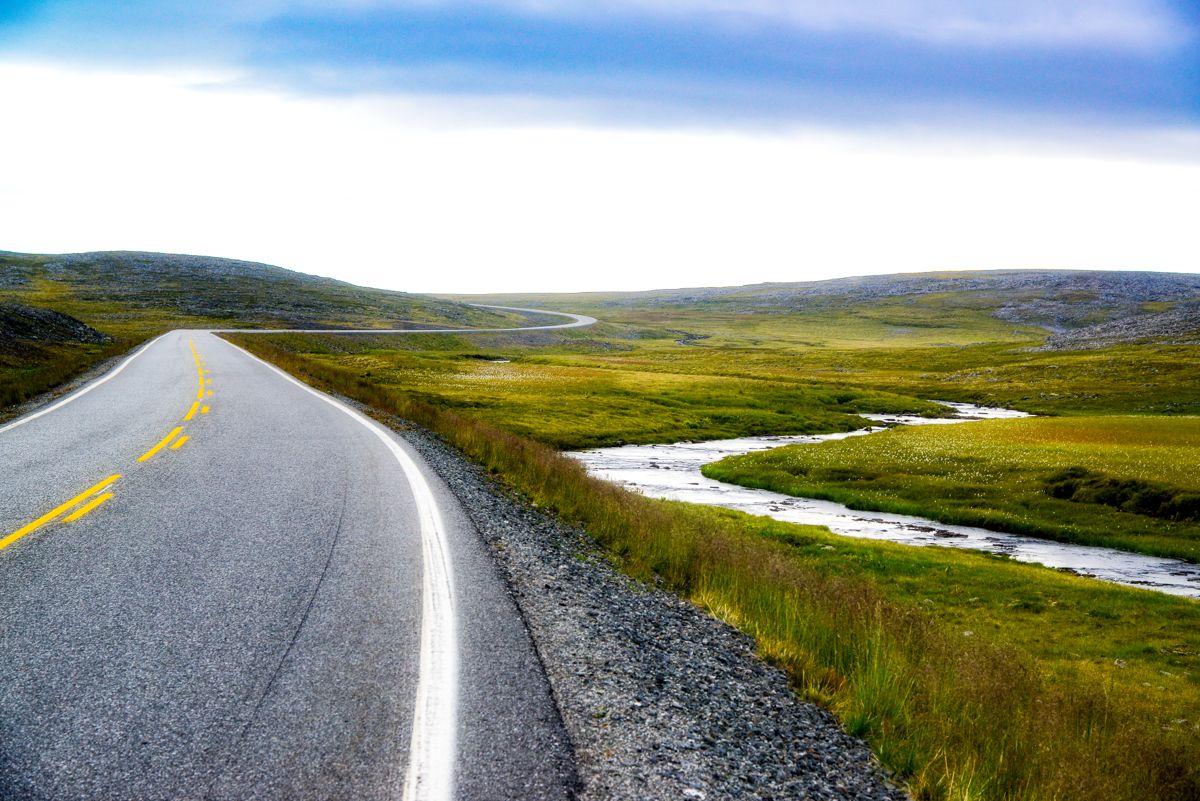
x=958, y=717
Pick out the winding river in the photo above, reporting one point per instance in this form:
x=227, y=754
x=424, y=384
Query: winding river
x=673, y=471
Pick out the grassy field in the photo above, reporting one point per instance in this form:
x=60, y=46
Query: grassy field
x=1124, y=482
x=973, y=677
x=618, y=385
x=950, y=344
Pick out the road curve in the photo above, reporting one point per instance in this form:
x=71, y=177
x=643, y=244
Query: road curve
x=576, y=321
x=220, y=583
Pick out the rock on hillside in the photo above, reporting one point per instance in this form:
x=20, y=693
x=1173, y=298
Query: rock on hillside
x=30, y=323
x=1179, y=326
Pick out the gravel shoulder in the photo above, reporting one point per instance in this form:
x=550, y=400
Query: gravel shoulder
x=660, y=700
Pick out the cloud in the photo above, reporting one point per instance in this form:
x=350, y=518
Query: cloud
x=720, y=63
x=693, y=68
x=382, y=193
x=1134, y=24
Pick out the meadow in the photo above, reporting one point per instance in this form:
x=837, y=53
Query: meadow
x=972, y=677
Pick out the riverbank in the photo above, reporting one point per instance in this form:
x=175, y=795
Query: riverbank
x=694, y=472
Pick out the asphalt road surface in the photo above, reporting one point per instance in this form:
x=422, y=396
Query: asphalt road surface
x=218, y=583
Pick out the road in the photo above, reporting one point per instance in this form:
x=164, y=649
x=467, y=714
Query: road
x=576, y=321
x=218, y=583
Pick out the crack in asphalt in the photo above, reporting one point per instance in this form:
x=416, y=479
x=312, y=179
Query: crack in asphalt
x=287, y=651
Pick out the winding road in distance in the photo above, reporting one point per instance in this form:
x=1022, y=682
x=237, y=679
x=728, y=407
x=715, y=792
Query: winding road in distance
x=219, y=583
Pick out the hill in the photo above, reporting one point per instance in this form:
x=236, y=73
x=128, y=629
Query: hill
x=200, y=288
x=1101, y=305
x=62, y=314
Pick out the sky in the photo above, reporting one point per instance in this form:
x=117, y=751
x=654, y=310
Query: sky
x=572, y=145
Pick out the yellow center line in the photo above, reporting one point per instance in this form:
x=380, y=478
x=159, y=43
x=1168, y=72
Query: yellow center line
x=51, y=515
x=161, y=444
x=92, y=504
x=200, y=371
x=104, y=498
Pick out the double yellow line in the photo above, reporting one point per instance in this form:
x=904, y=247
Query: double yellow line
x=95, y=497
x=201, y=390
x=162, y=443
x=53, y=514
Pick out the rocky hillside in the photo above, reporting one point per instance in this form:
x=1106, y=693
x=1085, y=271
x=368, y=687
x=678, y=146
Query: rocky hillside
x=24, y=324
x=1179, y=325
x=1054, y=299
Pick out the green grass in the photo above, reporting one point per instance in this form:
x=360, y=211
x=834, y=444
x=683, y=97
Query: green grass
x=1002, y=474
x=1129, y=379
x=34, y=368
x=973, y=677
x=946, y=345
x=570, y=402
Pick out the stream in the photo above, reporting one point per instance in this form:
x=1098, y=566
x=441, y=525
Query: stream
x=673, y=472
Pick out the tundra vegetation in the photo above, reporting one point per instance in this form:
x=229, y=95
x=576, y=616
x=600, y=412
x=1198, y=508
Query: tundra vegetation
x=972, y=677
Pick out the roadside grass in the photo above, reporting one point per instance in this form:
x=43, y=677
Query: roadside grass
x=34, y=368
x=1008, y=475
x=972, y=677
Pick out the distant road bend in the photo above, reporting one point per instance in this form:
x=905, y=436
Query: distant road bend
x=220, y=583
x=577, y=321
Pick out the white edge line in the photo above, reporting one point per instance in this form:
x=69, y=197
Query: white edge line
x=74, y=396
x=431, y=755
